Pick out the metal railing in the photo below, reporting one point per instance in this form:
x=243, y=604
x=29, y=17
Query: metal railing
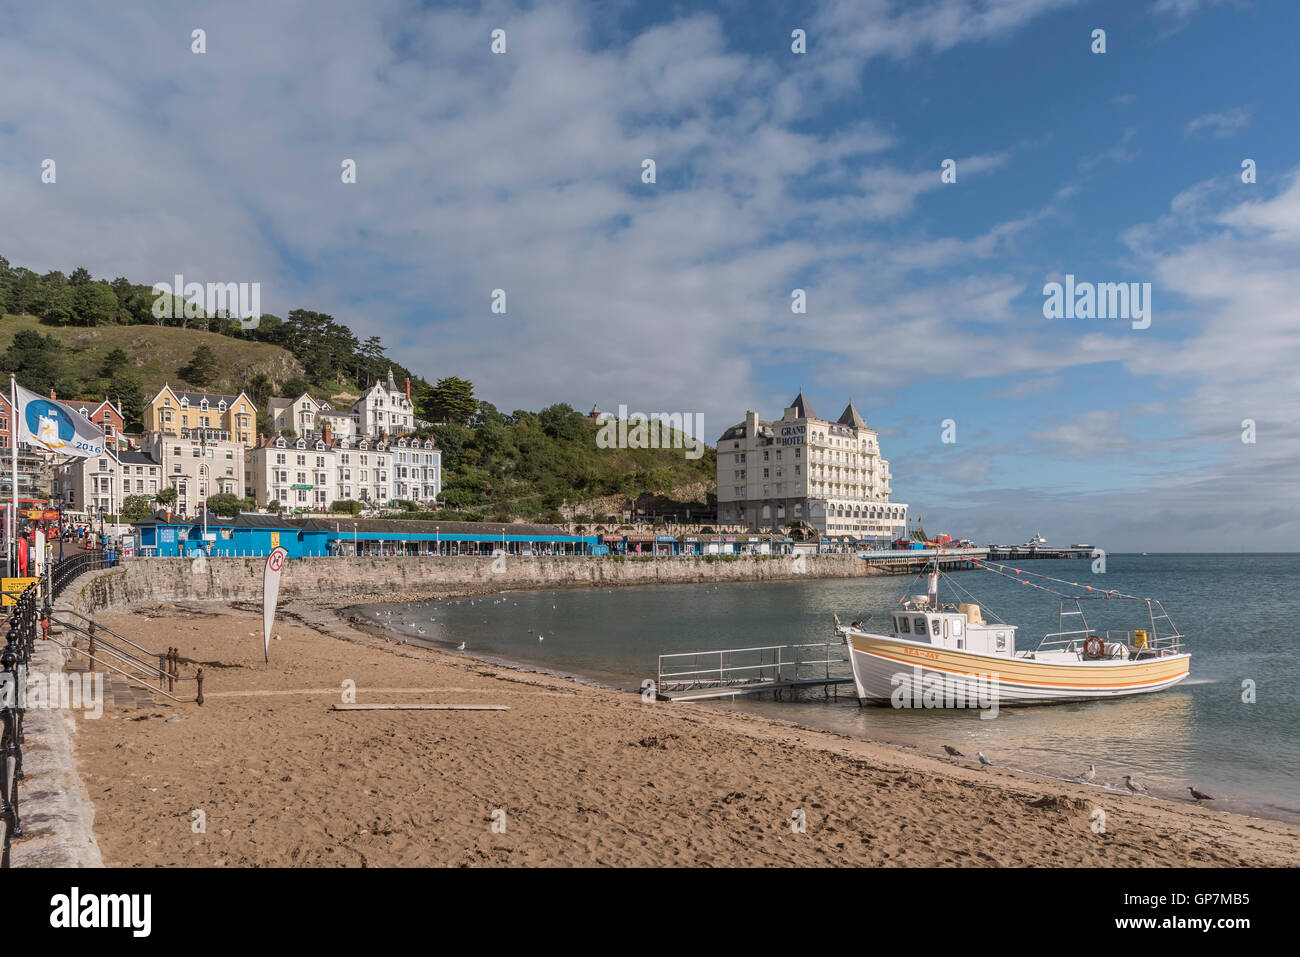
x=20, y=643
x=102, y=648
x=749, y=667
x=63, y=572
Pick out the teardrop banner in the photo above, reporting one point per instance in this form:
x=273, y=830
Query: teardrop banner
x=270, y=593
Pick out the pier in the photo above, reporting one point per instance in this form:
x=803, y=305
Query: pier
x=693, y=676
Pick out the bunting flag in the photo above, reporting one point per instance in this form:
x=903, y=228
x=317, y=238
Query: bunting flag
x=55, y=426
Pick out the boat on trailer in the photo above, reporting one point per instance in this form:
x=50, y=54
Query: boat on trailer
x=952, y=648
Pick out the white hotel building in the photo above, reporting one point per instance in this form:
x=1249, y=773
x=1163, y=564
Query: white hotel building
x=311, y=474
x=802, y=469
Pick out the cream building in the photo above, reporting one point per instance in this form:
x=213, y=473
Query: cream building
x=385, y=409
x=196, y=468
x=104, y=481
x=803, y=469
x=311, y=474
x=310, y=419
x=197, y=414
x=417, y=469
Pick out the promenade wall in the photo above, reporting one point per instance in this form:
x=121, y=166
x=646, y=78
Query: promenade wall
x=349, y=580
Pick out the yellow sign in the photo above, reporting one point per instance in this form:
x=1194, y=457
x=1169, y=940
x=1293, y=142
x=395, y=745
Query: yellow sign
x=13, y=587
x=275, y=539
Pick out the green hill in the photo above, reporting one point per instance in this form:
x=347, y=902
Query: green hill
x=155, y=353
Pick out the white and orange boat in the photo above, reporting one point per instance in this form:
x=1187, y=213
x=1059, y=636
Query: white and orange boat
x=949, y=656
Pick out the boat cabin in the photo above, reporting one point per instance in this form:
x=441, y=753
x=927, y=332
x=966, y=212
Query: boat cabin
x=962, y=629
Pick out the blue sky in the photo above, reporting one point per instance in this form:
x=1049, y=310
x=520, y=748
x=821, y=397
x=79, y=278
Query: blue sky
x=774, y=171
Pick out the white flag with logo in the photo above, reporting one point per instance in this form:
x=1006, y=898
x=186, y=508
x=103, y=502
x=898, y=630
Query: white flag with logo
x=55, y=426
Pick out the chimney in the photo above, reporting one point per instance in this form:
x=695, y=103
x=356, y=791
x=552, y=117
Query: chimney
x=751, y=424
x=408, y=390
x=325, y=431
x=52, y=395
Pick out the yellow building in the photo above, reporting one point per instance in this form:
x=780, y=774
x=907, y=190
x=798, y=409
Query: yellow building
x=198, y=414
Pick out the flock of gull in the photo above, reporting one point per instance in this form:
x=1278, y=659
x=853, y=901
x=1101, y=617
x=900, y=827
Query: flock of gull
x=1088, y=776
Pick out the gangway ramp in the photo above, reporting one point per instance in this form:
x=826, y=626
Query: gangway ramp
x=731, y=672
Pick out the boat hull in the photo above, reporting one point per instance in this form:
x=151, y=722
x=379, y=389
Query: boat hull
x=893, y=670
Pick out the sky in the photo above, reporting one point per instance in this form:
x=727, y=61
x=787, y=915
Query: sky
x=774, y=171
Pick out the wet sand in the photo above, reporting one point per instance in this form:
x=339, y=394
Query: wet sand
x=578, y=775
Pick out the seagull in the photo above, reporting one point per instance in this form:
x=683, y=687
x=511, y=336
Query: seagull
x=1197, y=795
x=953, y=751
x=461, y=646
x=983, y=760
x=1134, y=786
x=540, y=638
x=1090, y=774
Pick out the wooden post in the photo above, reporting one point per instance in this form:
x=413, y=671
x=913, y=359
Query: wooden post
x=199, y=678
x=92, y=639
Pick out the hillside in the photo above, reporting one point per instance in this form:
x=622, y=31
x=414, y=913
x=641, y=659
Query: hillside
x=156, y=354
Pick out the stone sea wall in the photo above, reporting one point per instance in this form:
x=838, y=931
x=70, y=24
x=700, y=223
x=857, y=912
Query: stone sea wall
x=347, y=580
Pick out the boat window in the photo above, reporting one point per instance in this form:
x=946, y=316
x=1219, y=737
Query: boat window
x=903, y=627
x=1002, y=640
x=956, y=627
x=934, y=626
x=920, y=626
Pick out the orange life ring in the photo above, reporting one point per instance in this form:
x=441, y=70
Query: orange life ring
x=1093, y=647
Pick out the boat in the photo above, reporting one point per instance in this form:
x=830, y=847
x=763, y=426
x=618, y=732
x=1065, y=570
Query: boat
x=950, y=656
x=1036, y=542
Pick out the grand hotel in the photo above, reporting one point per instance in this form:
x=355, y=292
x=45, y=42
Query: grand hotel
x=804, y=470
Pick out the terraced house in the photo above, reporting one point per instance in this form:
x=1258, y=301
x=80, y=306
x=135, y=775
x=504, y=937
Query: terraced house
x=228, y=418
x=310, y=474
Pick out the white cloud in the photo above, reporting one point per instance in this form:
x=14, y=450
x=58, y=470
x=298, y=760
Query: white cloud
x=1221, y=125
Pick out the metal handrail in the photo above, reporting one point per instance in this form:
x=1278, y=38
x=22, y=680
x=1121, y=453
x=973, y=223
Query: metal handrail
x=725, y=675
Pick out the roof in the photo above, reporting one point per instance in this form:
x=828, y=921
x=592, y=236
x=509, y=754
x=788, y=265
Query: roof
x=137, y=458
x=214, y=521
x=377, y=525
x=850, y=416
x=801, y=407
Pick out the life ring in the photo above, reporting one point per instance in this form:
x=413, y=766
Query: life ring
x=1093, y=647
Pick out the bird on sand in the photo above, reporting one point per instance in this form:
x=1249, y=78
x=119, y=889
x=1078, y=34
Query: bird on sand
x=1090, y=774
x=461, y=646
x=1197, y=795
x=540, y=638
x=953, y=751
x=983, y=760
x=1134, y=786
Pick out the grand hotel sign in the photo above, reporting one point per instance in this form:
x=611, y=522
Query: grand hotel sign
x=793, y=434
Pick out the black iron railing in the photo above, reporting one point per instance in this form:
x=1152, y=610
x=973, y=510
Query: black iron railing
x=20, y=642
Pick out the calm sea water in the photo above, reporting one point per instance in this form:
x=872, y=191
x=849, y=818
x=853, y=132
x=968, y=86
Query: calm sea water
x=1237, y=611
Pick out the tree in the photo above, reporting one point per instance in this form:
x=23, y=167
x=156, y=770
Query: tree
x=202, y=367
x=135, y=508
x=561, y=421
x=112, y=362
x=125, y=389
x=225, y=504
x=451, y=400
x=166, y=495
x=94, y=303
x=31, y=357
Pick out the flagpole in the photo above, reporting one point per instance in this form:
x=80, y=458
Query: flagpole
x=13, y=444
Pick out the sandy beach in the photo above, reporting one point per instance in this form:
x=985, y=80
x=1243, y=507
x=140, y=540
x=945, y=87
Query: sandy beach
x=577, y=775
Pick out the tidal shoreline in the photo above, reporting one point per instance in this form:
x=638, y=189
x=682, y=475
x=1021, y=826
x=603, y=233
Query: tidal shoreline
x=585, y=775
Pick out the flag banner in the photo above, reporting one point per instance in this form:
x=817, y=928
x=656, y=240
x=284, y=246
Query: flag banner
x=55, y=427
x=270, y=594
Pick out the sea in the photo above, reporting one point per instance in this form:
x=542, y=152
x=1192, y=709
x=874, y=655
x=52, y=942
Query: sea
x=1231, y=730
